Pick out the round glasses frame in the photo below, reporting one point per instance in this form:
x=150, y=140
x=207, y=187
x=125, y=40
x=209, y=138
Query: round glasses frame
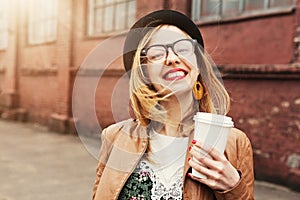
x=158, y=53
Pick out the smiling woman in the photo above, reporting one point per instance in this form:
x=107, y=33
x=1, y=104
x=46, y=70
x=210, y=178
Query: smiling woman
x=148, y=157
x=171, y=60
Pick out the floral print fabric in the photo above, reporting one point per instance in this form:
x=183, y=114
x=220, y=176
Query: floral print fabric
x=145, y=184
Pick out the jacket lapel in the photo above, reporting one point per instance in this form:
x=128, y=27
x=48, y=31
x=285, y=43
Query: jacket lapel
x=126, y=152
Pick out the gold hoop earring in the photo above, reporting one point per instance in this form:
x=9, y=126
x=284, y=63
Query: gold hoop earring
x=198, y=90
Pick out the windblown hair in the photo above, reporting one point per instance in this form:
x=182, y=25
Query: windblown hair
x=146, y=100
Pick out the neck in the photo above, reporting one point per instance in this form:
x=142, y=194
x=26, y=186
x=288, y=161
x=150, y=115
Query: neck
x=180, y=112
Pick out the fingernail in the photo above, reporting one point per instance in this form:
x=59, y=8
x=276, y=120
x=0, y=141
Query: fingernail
x=189, y=175
x=189, y=149
x=189, y=159
x=194, y=141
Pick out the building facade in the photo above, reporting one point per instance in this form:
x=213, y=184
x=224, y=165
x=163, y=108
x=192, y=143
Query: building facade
x=51, y=51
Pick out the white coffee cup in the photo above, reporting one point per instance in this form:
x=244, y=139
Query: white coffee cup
x=213, y=131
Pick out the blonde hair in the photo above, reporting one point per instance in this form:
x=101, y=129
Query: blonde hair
x=145, y=99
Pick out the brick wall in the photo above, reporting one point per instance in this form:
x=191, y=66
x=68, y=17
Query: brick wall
x=296, y=38
x=1, y=91
x=260, y=40
x=145, y=6
x=38, y=96
x=182, y=6
x=112, y=93
x=266, y=107
x=8, y=62
x=63, y=58
x=43, y=82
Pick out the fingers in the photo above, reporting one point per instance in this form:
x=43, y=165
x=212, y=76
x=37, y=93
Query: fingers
x=213, y=159
x=202, y=157
x=206, y=165
x=220, y=173
x=211, y=173
x=212, y=151
x=209, y=182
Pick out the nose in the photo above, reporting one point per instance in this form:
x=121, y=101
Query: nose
x=172, y=58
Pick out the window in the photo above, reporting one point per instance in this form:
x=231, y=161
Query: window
x=3, y=24
x=42, y=21
x=219, y=9
x=107, y=16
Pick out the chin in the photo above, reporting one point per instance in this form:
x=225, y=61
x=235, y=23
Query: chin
x=181, y=92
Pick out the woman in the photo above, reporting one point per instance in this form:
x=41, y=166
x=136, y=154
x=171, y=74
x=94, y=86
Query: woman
x=148, y=157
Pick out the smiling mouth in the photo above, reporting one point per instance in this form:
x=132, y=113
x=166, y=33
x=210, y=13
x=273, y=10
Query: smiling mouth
x=175, y=74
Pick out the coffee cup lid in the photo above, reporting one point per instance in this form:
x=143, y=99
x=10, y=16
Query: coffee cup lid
x=215, y=119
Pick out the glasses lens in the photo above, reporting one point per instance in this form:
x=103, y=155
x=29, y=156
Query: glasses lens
x=156, y=53
x=184, y=47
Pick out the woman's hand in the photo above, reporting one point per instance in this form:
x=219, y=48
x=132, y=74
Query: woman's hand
x=221, y=175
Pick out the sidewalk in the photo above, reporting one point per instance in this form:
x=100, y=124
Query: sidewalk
x=42, y=165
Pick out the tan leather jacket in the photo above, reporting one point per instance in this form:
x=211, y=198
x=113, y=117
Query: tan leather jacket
x=124, y=143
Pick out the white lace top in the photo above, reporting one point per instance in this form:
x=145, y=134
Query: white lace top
x=159, y=174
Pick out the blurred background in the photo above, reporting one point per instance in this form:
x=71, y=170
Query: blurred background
x=48, y=45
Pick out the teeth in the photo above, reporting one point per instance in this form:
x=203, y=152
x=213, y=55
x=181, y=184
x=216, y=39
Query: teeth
x=175, y=74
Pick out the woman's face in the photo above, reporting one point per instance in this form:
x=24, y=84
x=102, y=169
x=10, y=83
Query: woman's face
x=175, y=69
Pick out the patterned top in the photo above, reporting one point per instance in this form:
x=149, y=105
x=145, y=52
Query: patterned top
x=158, y=175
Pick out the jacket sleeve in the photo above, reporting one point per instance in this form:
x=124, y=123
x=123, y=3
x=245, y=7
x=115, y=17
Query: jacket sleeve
x=108, y=137
x=103, y=156
x=243, y=190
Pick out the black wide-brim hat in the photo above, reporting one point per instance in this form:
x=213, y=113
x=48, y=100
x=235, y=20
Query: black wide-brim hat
x=152, y=20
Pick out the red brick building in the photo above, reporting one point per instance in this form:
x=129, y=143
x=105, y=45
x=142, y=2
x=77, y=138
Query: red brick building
x=47, y=45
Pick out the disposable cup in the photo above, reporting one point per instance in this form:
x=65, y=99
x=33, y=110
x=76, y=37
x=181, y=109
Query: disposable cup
x=212, y=130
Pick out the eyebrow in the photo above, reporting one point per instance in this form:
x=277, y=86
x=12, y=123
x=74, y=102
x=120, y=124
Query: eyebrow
x=167, y=43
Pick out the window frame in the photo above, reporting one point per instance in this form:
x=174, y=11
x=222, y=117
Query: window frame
x=91, y=12
x=4, y=26
x=241, y=14
x=42, y=21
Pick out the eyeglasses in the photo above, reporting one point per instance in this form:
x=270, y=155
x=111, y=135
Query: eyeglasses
x=158, y=53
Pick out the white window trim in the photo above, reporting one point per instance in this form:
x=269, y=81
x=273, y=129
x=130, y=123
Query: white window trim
x=91, y=21
x=46, y=37
x=4, y=25
x=196, y=11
